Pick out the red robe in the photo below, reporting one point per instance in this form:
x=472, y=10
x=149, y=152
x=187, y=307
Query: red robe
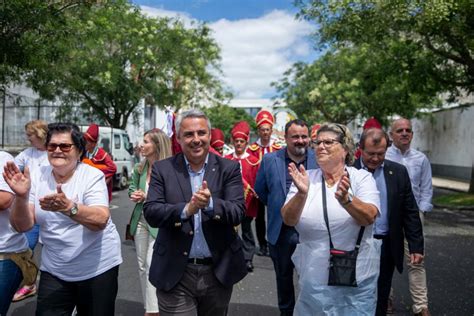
x=258, y=151
x=249, y=167
x=102, y=161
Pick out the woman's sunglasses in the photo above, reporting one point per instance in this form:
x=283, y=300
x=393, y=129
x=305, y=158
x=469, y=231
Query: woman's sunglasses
x=63, y=147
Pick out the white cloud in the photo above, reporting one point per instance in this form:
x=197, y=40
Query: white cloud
x=255, y=52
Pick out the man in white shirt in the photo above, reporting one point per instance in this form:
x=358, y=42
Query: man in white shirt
x=419, y=170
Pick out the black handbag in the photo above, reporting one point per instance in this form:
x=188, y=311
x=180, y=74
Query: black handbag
x=342, y=263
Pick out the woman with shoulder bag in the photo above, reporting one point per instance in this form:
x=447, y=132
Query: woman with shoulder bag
x=156, y=146
x=333, y=209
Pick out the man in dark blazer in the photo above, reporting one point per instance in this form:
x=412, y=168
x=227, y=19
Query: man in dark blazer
x=398, y=215
x=195, y=199
x=272, y=185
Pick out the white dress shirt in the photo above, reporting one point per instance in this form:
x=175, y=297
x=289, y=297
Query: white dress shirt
x=419, y=170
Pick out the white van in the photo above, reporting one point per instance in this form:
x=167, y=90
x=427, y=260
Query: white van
x=116, y=142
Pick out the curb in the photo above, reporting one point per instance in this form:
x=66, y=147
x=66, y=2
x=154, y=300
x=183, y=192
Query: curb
x=454, y=207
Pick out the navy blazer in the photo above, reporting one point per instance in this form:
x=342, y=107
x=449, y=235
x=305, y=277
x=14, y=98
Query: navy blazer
x=168, y=193
x=403, y=213
x=270, y=187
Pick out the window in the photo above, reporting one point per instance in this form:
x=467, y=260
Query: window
x=117, y=141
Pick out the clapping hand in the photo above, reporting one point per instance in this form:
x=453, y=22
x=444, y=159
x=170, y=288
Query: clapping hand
x=18, y=181
x=342, y=191
x=200, y=199
x=138, y=196
x=56, y=202
x=300, y=177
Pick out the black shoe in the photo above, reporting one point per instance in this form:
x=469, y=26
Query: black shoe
x=263, y=251
x=249, y=266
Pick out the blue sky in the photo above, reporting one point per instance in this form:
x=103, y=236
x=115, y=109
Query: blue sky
x=259, y=39
x=213, y=10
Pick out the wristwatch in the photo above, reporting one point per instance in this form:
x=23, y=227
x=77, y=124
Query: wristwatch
x=73, y=210
x=349, y=199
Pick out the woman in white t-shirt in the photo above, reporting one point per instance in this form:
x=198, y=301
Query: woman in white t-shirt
x=34, y=157
x=81, y=247
x=10, y=242
x=351, y=200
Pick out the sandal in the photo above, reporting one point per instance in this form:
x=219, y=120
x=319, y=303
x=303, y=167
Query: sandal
x=24, y=292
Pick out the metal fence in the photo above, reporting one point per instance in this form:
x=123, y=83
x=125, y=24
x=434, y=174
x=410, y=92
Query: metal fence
x=17, y=110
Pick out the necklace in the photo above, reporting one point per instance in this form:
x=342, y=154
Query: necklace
x=329, y=185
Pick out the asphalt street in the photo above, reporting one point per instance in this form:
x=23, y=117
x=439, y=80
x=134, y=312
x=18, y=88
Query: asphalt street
x=449, y=263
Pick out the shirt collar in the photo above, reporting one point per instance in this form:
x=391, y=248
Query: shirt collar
x=243, y=156
x=365, y=167
x=188, y=166
x=259, y=143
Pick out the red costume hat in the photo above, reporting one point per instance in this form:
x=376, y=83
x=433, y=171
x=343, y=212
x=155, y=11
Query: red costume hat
x=92, y=133
x=372, y=122
x=264, y=117
x=314, y=130
x=217, y=138
x=241, y=130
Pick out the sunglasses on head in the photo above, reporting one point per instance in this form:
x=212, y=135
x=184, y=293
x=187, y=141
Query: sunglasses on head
x=63, y=147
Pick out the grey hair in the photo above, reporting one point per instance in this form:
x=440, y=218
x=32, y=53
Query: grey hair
x=193, y=113
x=344, y=136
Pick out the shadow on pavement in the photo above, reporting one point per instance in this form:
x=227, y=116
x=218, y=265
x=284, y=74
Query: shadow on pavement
x=238, y=309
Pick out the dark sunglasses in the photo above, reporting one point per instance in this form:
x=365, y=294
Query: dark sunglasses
x=63, y=147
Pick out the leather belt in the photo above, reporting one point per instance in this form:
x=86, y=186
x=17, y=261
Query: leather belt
x=380, y=236
x=201, y=261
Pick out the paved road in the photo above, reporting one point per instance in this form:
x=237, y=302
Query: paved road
x=450, y=258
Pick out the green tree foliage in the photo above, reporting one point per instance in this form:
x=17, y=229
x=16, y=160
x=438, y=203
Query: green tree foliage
x=110, y=57
x=43, y=18
x=356, y=81
x=441, y=31
x=224, y=117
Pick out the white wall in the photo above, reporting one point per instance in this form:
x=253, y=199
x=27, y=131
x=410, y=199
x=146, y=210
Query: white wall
x=448, y=141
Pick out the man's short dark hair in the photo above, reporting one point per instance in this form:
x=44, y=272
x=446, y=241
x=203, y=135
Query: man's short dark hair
x=375, y=135
x=299, y=122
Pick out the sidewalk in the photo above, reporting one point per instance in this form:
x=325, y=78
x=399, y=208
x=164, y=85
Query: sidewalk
x=450, y=184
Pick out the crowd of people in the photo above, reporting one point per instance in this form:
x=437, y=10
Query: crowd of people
x=342, y=217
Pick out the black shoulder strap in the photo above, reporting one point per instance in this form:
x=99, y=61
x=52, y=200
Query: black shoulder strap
x=362, y=228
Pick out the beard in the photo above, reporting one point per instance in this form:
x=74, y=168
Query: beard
x=299, y=151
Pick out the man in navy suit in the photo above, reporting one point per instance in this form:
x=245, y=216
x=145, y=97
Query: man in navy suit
x=398, y=214
x=196, y=199
x=272, y=185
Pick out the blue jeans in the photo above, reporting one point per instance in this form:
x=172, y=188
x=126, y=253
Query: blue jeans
x=10, y=278
x=33, y=235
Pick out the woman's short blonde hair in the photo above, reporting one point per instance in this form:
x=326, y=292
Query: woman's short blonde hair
x=344, y=136
x=39, y=128
x=162, y=143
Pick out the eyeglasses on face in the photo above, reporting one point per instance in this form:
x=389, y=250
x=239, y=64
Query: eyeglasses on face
x=63, y=147
x=325, y=142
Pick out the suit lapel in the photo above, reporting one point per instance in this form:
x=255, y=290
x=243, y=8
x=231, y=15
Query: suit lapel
x=212, y=169
x=279, y=167
x=183, y=177
x=390, y=184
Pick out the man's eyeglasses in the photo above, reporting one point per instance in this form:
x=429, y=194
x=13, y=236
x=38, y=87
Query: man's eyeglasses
x=325, y=142
x=63, y=147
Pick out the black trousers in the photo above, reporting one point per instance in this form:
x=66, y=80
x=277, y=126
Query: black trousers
x=93, y=297
x=281, y=254
x=384, y=283
x=260, y=226
x=247, y=238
